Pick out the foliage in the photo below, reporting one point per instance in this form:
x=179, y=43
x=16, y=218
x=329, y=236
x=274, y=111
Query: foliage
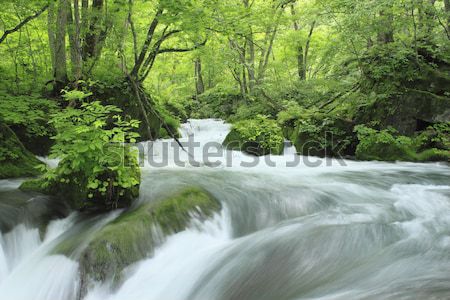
x=388, y=145
x=30, y=112
x=90, y=144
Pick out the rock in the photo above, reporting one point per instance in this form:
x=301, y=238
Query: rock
x=324, y=136
x=258, y=137
x=410, y=97
x=15, y=160
x=132, y=236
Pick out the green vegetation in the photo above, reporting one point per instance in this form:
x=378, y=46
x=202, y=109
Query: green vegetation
x=388, y=145
x=96, y=169
x=312, y=71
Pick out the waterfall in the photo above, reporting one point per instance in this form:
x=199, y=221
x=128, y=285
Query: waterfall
x=336, y=230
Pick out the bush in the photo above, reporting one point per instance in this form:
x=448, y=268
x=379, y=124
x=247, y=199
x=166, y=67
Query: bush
x=216, y=103
x=383, y=145
x=96, y=169
x=436, y=136
x=27, y=116
x=258, y=136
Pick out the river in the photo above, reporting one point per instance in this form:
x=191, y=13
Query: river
x=313, y=230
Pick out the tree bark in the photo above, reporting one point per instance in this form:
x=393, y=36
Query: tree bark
x=92, y=38
x=447, y=11
x=74, y=29
x=199, y=85
x=386, y=35
x=60, y=47
x=308, y=43
x=301, y=70
x=51, y=21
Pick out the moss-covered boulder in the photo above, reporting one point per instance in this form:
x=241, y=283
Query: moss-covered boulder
x=135, y=234
x=259, y=136
x=15, y=160
x=409, y=92
x=324, y=136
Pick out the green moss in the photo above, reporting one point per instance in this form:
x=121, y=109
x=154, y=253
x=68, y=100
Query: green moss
x=322, y=135
x=258, y=136
x=34, y=185
x=15, y=160
x=434, y=155
x=129, y=238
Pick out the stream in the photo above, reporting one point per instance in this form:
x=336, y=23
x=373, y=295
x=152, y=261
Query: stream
x=313, y=230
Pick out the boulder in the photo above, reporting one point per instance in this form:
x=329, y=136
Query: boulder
x=135, y=234
x=259, y=136
x=15, y=160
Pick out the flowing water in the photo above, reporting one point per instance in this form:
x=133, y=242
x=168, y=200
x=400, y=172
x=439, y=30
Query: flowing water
x=335, y=230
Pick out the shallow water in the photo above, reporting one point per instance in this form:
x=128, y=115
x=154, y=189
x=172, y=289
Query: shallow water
x=349, y=230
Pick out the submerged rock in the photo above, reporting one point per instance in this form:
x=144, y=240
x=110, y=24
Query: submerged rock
x=135, y=234
x=15, y=160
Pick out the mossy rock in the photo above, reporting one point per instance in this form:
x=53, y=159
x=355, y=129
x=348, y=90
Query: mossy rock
x=132, y=236
x=324, y=136
x=235, y=141
x=385, y=151
x=434, y=155
x=411, y=96
x=259, y=136
x=15, y=160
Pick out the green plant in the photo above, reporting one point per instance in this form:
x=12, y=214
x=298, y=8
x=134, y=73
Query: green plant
x=29, y=112
x=383, y=145
x=90, y=142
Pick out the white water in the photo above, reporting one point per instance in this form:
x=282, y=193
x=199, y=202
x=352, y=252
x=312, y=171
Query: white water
x=363, y=230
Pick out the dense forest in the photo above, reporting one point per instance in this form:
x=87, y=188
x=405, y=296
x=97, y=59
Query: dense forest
x=91, y=90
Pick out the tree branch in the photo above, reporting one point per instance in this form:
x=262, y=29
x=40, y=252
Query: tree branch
x=178, y=50
x=23, y=23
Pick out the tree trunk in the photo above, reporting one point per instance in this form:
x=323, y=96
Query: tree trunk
x=51, y=21
x=301, y=70
x=199, y=85
x=92, y=37
x=73, y=29
x=386, y=35
x=60, y=47
x=447, y=11
x=251, y=62
x=308, y=42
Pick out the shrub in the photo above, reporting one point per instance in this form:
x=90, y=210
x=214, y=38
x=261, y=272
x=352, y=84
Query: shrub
x=27, y=116
x=383, y=145
x=96, y=166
